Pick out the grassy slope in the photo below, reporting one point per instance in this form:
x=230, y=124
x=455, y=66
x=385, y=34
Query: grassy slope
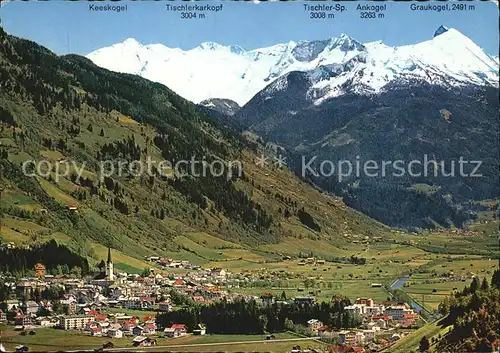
x=411, y=342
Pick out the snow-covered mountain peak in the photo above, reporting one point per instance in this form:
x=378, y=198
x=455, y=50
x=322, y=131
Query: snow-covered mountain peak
x=306, y=51
x=457, y=56
x=442, y=29
x=334, y=64
x=346, y=43
x=344, y=38
x=211, y=46
x=452, y=34
x=131, y=43
x=216, y=47
x=449, y=59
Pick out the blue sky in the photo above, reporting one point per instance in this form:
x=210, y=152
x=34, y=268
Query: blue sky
x=54, y=24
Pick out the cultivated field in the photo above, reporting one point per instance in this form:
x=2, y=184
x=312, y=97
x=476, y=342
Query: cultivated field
x=56, y=340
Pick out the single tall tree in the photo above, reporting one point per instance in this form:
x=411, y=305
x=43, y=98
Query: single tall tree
x=495, y=280
x=474, y=285
x=484, y=284
x=101, y=265
x=424, y=344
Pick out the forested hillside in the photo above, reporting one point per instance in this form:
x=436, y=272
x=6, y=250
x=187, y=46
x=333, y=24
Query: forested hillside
x=66, y=109
x=475, y=316
x=412, y=122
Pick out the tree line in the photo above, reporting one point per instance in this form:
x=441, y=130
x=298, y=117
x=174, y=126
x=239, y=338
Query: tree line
x=50, y=254
x=248, y=317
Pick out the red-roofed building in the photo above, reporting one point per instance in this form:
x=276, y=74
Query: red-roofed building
x=314, y=325
x=21, y=320
x=357, y=350
x=180, y=329
x=199, y=299
x=149, y=329
x=383, y=317
x=175, y=330
x=406, y=323
x=383, y=341
x=96, y=331
x=365, y=301
x=89, y=326
x=408, y=320
x=92, y=313
x=128, y=325
x=178, y=282
x=326, y=332
x=339, y=349
x=100, y=317
x=147, y=299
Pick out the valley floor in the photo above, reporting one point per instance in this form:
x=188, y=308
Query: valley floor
x=47, y=339
x=439, y=263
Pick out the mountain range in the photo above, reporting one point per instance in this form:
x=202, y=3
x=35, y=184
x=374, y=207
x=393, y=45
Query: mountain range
x=335, y=65
x=342, y=99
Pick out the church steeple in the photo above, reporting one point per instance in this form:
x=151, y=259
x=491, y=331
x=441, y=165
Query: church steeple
x=109, y=267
